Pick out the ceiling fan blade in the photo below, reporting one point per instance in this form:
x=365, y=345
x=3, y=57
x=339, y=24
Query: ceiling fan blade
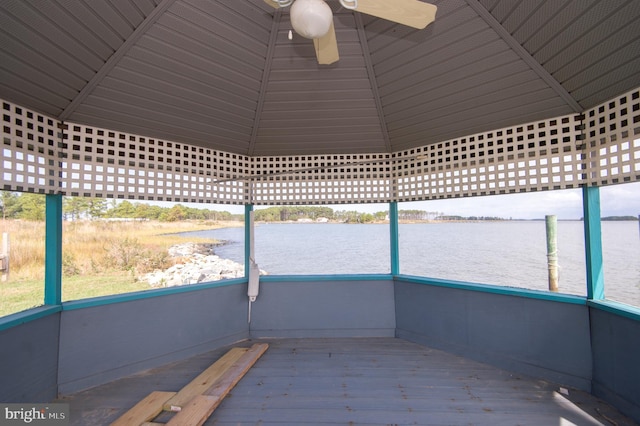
x=412, y=13
x=327, y=47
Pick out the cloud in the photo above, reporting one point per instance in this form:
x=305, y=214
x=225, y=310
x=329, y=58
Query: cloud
x=566, y=204
x=620, y=200
x=615, y=200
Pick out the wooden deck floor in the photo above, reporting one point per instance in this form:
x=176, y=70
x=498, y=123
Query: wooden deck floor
x=368, y=381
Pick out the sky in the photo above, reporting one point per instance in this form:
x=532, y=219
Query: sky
x=615, y=200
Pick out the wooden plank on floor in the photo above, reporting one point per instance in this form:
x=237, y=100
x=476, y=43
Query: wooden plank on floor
x=145, y=410
x=204, y=380
x=237, y=371
x=198, y=410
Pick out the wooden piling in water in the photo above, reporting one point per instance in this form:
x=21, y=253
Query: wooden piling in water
x=551, y=222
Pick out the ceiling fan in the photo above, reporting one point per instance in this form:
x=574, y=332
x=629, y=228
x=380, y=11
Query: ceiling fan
x=314, y=19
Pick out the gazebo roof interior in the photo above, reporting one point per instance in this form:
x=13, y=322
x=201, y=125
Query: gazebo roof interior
x=224, y=75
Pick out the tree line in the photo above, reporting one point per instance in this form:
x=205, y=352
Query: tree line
x=315, y=213
x=28, y=206
x=295, y=213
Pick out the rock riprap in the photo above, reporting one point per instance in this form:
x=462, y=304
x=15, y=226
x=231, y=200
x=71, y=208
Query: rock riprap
x=198, y=264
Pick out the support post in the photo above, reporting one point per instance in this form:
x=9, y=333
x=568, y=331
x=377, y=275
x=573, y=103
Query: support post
x=248, y=208
x=394, y=238
x=53, y=250
x=551, y=222
x=593, y=242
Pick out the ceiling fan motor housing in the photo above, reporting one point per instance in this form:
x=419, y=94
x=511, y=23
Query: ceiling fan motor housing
x=311, y=18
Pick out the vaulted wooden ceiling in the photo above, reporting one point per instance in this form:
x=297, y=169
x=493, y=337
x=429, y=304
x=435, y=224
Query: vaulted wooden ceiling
x=223, y=73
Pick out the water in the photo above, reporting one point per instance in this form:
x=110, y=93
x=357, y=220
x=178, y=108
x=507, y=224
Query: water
x=508, y=253
x=309, y=249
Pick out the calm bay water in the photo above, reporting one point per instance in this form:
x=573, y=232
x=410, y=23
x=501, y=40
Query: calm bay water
x=509, y=253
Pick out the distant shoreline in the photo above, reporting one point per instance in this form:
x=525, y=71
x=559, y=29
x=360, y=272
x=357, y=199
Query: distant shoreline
x=437, y=221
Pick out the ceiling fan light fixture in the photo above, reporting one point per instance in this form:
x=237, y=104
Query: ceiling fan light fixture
x=311, y=18
x=349, y=4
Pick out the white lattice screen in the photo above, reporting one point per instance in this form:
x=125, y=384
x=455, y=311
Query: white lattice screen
x=103, y=163
x=531, y=157
x=326, y=179
x=30, y=149
x=600, y=147
x=612, y=141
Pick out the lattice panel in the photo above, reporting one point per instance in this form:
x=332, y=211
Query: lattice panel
x=29, y=151
x=103, y=163
x=601, y=147
x=532, y=157
x=612, y=144
x=324, y=179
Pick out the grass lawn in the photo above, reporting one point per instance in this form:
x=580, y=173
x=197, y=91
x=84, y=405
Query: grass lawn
x=77, y=287
x=100, y=254
x=16, y=296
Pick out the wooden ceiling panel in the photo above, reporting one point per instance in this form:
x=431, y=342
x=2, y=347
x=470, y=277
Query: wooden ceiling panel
x=195, y=38
x=223, y=68
x=121, y=16
x=524, y=26
x=601, y=86
x=125, y=106
x=468, y=93
x=12, y=83
x=173, y=82
x=391, y=46
x=157, y=125
x=226, y=25
x=336, y=143
x=223, y=73
x=537, y=95
x=22, y=27
x=452, y=67
x=202, y=108
x=581, y=44
x=448, y=129
x=145, y=6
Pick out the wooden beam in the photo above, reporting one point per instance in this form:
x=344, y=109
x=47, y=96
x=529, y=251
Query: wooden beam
x=375, y=91
x=533, y=63
x=204, y=380
x=147, y=409
x=233, y=375
x=115, y=58
x=195, y=402
x=198, y=410
x=264, y=82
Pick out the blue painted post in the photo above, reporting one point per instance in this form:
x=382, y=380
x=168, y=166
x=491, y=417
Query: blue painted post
x=593, y=242
x=394, y=238
x=248, y=208
x=53, y=250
